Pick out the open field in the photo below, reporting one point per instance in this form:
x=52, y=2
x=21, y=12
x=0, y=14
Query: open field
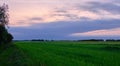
x=61, y=53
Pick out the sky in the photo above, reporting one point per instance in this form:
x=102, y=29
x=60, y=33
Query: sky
x=64, y=19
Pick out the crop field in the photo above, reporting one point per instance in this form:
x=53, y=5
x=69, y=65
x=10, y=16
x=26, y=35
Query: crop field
x=61, y=53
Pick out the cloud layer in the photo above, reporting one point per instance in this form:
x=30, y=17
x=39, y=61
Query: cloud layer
x=64, y=19
x=55, y=11
x=68, y=30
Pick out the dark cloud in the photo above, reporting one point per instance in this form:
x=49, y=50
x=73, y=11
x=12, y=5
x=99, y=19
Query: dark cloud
x=96, y=6
x=35, y=19
x=84, y=18
x=60, y=10
x=64, y=12
x=62, y=30
x=67, y=15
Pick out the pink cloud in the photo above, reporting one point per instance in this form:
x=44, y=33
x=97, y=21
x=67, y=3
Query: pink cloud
x=45, y=9
x=109, y=32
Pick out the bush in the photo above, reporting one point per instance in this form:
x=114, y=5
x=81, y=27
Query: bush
x=5, y=37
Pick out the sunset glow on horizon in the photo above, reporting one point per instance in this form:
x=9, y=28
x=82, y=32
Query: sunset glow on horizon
x=64, y=19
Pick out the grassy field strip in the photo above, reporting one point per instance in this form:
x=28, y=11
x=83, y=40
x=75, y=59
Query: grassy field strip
x=48, y=56
x=70, y=54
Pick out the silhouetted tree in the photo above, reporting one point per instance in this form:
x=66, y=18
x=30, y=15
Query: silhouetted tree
x=9, y=37
x=3, y=34
x=4, y=16
x=5, y=37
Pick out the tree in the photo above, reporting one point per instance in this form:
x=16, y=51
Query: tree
x=9, y=38
x=4, y=16
x=5, y=37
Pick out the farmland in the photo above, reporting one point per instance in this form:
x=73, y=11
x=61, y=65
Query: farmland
x=61, y=53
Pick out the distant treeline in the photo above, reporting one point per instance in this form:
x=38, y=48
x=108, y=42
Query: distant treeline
x=100, y=40
x=71, y=40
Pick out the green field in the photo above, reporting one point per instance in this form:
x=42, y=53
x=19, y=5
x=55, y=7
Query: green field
x=61, y=53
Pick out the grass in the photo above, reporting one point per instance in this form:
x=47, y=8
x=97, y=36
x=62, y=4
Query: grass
x=12, y=56
x=61, y=53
